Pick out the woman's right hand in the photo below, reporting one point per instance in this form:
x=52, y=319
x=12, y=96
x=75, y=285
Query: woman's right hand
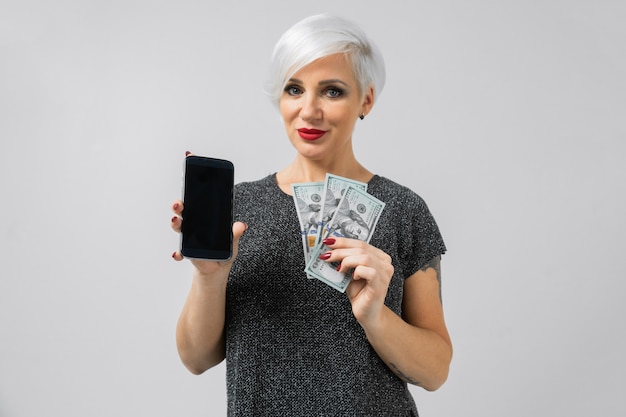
x=203, y=266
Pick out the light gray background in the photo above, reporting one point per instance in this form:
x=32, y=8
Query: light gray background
x=506, y=116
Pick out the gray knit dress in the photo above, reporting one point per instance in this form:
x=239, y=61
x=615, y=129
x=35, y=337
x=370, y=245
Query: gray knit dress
x=293, y=347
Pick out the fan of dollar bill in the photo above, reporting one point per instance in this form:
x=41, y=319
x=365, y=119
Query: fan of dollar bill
x=337, y=207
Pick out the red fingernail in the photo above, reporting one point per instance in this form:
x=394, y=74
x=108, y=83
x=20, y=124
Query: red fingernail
x=174, y=255
x=339, y=266
x=174, y=219
x=187, y=153
x=328, y=241
x=176, y=206
x=325, y=255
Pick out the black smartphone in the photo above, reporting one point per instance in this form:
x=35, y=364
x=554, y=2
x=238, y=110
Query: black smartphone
x=206, y=230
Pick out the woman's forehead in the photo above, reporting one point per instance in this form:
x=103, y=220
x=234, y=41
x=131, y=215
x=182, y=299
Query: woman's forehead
x=331, y=67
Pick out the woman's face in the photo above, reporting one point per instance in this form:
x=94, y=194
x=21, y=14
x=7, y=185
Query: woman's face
x=320, y=105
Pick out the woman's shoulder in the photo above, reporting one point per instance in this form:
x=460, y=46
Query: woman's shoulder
x=390, y=191
x=262, y=185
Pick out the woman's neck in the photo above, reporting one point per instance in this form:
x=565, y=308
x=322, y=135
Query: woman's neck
x=305, y=170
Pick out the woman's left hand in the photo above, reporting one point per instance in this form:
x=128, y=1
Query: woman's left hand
x=372, y=272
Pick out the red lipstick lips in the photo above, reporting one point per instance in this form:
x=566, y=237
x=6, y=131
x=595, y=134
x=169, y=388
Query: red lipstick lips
x=310, y=134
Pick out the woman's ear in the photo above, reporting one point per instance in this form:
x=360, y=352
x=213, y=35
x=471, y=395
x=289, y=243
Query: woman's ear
x=368, y=101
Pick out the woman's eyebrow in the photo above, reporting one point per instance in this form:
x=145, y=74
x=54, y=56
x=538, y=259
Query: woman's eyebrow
x=323, y=82
x=333, y=81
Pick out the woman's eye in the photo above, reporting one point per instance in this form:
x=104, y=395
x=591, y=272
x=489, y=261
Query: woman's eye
x=334, y=92
x=292, y=90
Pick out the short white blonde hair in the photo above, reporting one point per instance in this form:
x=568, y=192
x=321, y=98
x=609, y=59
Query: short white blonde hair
x=320, y=36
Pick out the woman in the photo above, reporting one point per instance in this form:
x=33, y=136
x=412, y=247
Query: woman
x=295, y=346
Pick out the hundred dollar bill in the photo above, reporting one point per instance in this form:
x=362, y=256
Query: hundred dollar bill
x=356, y=218
x=334, y=189
x=307, y=197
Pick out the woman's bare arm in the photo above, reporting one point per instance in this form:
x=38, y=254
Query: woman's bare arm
x=200, y=328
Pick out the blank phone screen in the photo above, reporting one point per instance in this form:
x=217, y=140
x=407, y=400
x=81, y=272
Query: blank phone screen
x=208, y=207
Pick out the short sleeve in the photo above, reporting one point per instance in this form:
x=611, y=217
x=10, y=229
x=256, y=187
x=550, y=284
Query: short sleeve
x=407, y=230
x=420, y=238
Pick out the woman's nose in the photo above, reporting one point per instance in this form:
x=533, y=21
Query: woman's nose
x=311, y=109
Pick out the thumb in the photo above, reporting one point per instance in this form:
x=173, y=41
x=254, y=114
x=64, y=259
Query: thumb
x=238, y=229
